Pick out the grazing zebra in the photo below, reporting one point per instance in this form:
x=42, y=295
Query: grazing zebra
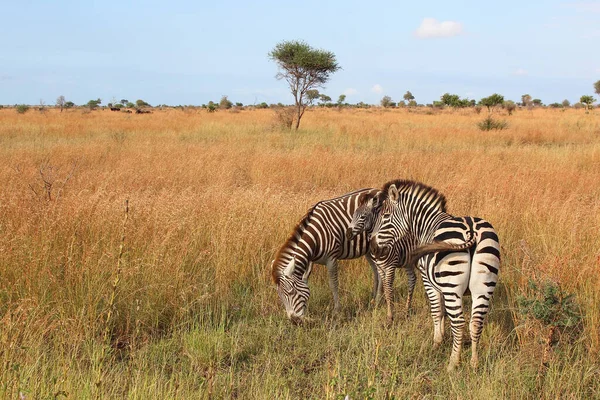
x=454, y=254
x=319, y=238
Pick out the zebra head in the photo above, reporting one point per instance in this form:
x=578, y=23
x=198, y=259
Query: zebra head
x=293, y=292
x=363, y=218
x=390, y=225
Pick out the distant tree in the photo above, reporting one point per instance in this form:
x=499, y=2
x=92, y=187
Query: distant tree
x=408, y=96
x=537, y=102
x=386, y=101
x=129, y=105
x=324, y=99
x=304, y=68
x=402, y=103
x=525, y=100
x=577, y=106
x=124, y=101
x=412, y=103
x=311, y=96
x=492, y=101
x=262, y=105
x=566, y=103
x=587, y=101
x=69, y=104
x=555, y=105
x=238, y=104
x=450, y=100
x=93, y=104
x=22, y=108
x=60, y=102
x=225, y=103
x=597, y=87
x=141, y=103
x=341, y=100
x=510, y=106
x=211, y=107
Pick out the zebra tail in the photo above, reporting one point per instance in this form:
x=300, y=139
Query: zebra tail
x=440, y=246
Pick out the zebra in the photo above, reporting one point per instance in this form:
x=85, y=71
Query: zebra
x=454, y=254
x=362, y=221
x=319, y=238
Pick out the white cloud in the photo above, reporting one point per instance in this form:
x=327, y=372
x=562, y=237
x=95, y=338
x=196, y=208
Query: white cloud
x=377, y=88
x=432, y=28
x=520, y=72
x=350, y=91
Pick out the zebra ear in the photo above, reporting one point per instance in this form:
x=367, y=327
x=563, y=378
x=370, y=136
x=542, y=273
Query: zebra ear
x=393, y=193
x=289, y=269
x=376, y=201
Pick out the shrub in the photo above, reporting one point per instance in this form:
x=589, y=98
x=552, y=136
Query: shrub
x=225, y=103
x=554, y=308
x=22, y=108
x=510, y=106
x=284, y=117
x=142, y=103
x=478, y=109
x=489, y=123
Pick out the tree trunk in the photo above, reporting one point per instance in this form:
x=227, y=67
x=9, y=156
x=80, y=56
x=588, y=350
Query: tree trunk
x=298, y=116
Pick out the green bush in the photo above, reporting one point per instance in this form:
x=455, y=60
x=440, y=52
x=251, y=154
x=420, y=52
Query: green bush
x=550, y=305
x=490, y=123
x=22, y=108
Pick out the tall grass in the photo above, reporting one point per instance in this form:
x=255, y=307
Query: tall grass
x=213, y=195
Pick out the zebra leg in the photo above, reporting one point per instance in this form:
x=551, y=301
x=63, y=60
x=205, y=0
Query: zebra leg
x=412, y=279
x=388, y=289
x=479, y=311
x=332, y=269
x=377, y=281
x=454, y=309
x=436, y=306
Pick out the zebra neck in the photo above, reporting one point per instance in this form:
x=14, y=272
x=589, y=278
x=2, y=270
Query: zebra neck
x=425, y=225
x=301, y=260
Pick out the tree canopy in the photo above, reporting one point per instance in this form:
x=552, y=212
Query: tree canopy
x=303, y=68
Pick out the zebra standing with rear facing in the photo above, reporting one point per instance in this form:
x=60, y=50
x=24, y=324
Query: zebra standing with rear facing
x=410, y=210
x=319, y=238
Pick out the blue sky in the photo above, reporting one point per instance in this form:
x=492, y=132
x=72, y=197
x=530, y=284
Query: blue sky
x=189, y=52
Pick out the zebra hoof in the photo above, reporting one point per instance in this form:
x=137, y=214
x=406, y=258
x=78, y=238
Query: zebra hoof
x=474, y=362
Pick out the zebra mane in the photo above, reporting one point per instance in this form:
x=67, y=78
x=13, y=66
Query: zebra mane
x=292, y=241
x=406, y=185
x=365, y=197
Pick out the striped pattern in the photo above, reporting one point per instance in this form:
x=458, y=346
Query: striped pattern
x=320, y=237
x=411, y=213
x=387, y=261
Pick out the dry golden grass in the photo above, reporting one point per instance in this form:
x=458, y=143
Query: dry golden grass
x=212, y=196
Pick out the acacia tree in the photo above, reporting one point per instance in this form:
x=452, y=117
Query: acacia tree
x=408, y=96
x=60, y=102
x=587, y=101
x=492, y=101
x=597, y=87
x=303, y=68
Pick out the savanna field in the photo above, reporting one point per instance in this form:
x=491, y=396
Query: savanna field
x=174, y=298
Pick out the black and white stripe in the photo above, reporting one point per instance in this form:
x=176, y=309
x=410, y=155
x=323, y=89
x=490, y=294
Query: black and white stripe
x=454, y=254
x=320, y=237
